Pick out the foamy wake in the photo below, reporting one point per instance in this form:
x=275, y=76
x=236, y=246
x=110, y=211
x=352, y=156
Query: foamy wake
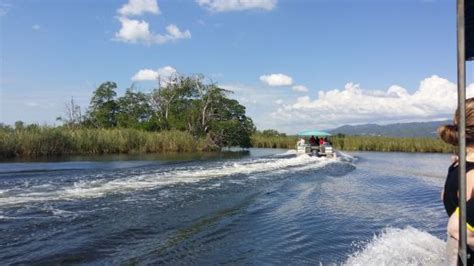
x=102, y=186
x=407, y=246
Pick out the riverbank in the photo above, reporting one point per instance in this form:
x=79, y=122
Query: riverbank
x=361, y=143
x=48, y=141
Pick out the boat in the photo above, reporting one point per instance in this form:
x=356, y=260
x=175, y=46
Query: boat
x=319, y=150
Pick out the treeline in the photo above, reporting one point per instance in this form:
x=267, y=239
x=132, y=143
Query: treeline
x=357, y=143
x=184, y=113
x=182, y=103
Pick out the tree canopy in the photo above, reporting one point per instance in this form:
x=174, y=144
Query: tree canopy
x=185, y=103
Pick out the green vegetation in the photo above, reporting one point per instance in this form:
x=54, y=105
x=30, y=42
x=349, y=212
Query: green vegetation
x=357, y=143
x=48, y=141
x=273, y=139
x=182, y=103
x=183, y=114
x=390, y=144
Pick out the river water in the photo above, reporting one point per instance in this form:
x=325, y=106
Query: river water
x=262, y=206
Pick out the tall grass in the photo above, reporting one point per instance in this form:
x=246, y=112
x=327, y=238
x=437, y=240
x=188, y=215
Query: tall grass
x=361, y=143
x=48, y=141
x=391, y=144
x=273, y=141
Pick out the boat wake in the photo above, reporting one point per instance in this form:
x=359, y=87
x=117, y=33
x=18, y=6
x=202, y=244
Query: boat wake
x=408, y=246
x=99, y=185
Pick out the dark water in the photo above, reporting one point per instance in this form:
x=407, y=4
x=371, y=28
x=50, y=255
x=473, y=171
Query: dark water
x=266, y=206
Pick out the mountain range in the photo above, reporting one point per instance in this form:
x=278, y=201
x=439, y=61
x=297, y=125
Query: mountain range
x=413, y=129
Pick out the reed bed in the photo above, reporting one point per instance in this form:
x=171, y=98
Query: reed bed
x=48, y=141
x=273, y=141
x=391, y=144
x=361, y=143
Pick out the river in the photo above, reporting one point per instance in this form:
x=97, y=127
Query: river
x=264, y=206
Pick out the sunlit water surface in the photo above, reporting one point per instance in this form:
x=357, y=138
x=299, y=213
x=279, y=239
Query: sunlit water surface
x=262, y=206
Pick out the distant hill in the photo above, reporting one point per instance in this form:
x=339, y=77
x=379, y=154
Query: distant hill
x=414, y=129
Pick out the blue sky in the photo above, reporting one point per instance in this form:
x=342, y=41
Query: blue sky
x=293, y=64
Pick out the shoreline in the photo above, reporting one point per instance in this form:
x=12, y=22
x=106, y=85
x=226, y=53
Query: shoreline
x=58, y=142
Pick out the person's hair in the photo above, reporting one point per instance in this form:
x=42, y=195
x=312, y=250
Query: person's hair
x=449, y=133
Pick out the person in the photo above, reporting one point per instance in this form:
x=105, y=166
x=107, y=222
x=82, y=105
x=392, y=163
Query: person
x=321, y=141
x=312, y=141
x=449, y=195
x=300, y=142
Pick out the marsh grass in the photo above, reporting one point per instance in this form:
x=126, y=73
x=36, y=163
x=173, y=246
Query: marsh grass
x=56, y=141
x=48, y=141
x=361, y=143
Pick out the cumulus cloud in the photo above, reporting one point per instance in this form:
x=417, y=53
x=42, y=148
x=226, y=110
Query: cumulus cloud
x=300, y=88
x=138, y=31
x=277, y=80
x=139, y=7
x=434, y=99
x=237, y=5
x=153, y=75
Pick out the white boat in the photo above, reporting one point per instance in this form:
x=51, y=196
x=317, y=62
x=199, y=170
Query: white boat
x=321, y=150
x=325, y=150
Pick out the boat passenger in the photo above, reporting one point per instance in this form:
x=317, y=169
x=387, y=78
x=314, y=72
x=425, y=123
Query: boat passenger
x=312, y=141
x=300, y=142
x=449, y=134
x=321, y=141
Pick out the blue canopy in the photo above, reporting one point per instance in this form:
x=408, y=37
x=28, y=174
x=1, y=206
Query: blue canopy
x=315, y=133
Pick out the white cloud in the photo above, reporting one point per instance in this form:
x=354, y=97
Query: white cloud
x=173, y=34
x=136, y=31
x=277, y=80
x=279, y=101
x=300, y=88
x=153, y=75
x=237, y=5
x=138, y=7
x=36, y=27
x=434, y=99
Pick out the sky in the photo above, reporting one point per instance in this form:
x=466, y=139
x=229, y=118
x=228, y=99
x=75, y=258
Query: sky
x=294, y=64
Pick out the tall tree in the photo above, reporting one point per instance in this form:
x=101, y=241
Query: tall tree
x=133, y=109
x=103, y=107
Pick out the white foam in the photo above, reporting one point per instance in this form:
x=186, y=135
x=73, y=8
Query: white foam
x=288, y=152
x=102, y=186
x=407, y=246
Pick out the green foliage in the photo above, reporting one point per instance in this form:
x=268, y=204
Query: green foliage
x=272, y=132
x=134, y=110
x=49, y=141
x=261, y=140
x=103, y=107
x=390, y=144
x=188, y=104
x=359, y=143
x=185, y=114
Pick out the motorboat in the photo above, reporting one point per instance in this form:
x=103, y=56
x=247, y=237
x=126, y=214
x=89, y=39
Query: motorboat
x=323, y=149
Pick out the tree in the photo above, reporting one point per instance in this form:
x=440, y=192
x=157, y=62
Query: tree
x=231, y=126
x=103, y=107
x=73, y=115
x=134, y=109
x=19, y=125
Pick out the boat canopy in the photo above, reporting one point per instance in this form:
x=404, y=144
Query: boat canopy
x=315, y=133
